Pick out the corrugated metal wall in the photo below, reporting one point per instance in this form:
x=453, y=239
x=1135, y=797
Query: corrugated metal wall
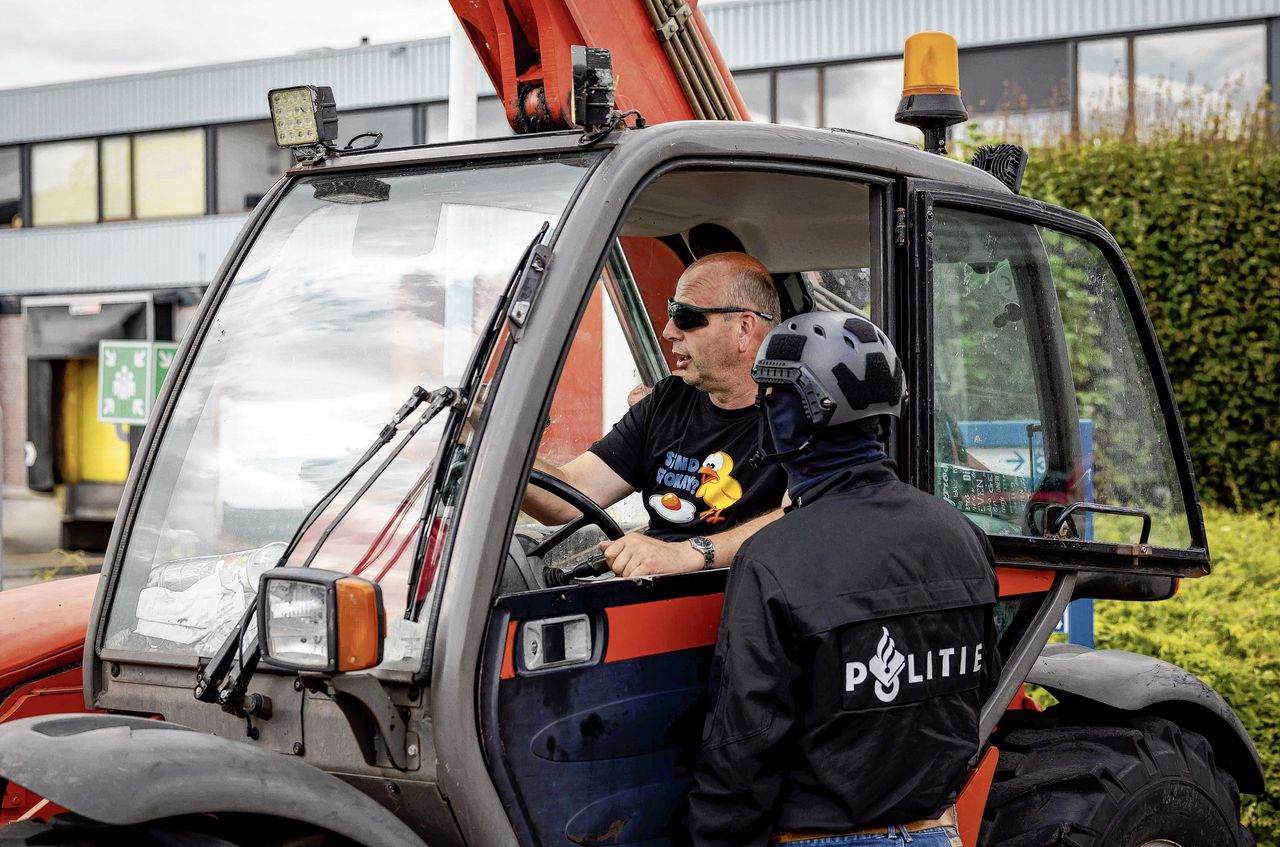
x=413, y=71
x=751, y=33
x=758, y=33
x=115, y=257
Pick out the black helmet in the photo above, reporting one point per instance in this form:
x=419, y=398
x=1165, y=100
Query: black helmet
x=842, y=366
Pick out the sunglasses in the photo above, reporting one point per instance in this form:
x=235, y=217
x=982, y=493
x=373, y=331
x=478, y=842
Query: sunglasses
x=687, y=317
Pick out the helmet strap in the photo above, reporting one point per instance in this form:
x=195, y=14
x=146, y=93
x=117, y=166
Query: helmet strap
x=759, y=458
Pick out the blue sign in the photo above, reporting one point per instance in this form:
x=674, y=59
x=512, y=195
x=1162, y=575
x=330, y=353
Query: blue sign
x=1014, y=450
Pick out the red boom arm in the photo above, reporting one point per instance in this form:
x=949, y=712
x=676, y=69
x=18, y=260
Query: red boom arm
x=665, y=62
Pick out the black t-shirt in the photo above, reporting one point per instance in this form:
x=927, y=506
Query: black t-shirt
x=688, y=458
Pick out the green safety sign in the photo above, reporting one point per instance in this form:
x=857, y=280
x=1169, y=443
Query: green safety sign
x=130, y=374
x=161, y=360
x=124, y=381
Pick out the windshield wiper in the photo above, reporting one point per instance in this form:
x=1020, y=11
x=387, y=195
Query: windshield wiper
x=383, y=438
x=524, y=280
x=225, y=677
x=440, y=398
x=215, y=679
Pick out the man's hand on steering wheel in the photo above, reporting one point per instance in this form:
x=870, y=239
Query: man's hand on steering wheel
x=636, y=554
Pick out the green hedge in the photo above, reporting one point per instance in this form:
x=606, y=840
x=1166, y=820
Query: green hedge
x=1224, y=628
x=1200, y=223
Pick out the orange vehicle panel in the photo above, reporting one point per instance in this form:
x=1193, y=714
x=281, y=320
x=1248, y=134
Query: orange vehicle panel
x=42, y=628
x=973, y=797
x=56, y=693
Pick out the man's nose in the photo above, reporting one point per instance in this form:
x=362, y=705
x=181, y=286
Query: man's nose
x=670, y=332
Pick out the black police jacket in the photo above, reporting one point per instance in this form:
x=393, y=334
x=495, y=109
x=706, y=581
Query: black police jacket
x=856, y=648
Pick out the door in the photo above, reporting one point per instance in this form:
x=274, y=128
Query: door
x=594, y=693
x=1048, y=416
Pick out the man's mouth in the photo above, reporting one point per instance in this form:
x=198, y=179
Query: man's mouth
x=682, y=361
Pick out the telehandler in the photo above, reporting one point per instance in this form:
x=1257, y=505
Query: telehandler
x=322, y=618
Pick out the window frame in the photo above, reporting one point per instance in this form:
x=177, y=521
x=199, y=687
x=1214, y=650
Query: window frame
x=917, y=288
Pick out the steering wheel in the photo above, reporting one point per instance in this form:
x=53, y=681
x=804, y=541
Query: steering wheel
x=592, y=513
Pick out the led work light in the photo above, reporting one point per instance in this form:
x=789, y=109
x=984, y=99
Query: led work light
x=305, y=118
x=316, y=620
x=593, y=90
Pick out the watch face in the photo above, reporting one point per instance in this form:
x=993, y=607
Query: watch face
x=703, y=546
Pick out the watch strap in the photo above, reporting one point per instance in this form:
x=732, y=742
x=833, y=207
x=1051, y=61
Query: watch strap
x=708, y=550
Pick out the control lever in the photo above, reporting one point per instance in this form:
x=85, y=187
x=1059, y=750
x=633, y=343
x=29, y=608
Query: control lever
x=595, y=565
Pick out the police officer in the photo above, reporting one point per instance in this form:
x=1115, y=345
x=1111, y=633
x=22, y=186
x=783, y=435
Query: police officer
x=857, y=643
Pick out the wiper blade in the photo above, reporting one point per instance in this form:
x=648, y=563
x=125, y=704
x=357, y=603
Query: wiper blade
x=215, y=680
x=416, y=399
x=534, y=255
x=440, y=398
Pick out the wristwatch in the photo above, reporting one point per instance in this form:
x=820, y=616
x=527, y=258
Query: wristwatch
x=708, y=550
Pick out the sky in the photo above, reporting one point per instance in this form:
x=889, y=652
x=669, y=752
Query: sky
x=49, y=41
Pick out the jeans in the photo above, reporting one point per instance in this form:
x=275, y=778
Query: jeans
x=892, y=837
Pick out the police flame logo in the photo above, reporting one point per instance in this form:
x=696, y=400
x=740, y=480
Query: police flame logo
x=886, y=666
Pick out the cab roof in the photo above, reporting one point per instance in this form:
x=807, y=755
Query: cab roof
x=712, y=139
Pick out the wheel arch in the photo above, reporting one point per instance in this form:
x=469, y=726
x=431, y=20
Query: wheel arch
x=95, y=764
x=1132, y=682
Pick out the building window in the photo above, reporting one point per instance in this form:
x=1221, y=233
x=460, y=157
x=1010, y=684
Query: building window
x=797, y=103
x=491, y=119
x=10, y=187
x=438, y=122
x=64, y=183
x=1024, y=78
x=249, y=162
x=1102, y=84
x=757, y=92
x=169, y=178
x=1198, y=75
x=1022, y=93
x=396, y=126
x=117, y=178
x=864, y=97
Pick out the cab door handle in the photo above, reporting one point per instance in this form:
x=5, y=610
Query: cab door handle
x=556, y=642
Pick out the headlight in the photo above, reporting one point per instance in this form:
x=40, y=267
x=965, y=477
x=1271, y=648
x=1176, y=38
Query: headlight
x=315, y=620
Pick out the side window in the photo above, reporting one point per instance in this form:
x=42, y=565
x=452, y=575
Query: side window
x=820, y=238
x=994, y=380
x=601, y=374
x=1128, y=450
x=1042, y=396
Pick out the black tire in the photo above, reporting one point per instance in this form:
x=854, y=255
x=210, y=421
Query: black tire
x=70, y=830
x=1076, y=778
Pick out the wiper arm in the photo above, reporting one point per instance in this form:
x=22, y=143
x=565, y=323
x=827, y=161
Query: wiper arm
x=215, y=680
x=416, y=398
x=440, y=398
x=533, y=260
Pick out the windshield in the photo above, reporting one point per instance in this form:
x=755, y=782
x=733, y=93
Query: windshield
x=358, y=288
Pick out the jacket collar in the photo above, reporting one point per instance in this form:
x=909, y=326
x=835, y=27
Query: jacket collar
x=858, y=476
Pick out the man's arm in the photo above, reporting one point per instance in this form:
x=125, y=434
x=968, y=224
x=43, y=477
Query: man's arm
x=751, y=713
x=636, y=554
x=589, y=474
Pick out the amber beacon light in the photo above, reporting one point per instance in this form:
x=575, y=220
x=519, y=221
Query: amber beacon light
x=931, y=88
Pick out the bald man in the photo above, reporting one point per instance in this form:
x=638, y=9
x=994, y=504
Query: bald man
x=685, y=447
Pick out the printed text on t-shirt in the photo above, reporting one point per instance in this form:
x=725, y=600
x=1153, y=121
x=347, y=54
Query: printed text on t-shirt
x=674, y=473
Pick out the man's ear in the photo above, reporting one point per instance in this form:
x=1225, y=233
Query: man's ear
x=746, y=331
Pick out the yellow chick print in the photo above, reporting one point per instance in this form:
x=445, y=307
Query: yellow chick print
x=718, y=489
